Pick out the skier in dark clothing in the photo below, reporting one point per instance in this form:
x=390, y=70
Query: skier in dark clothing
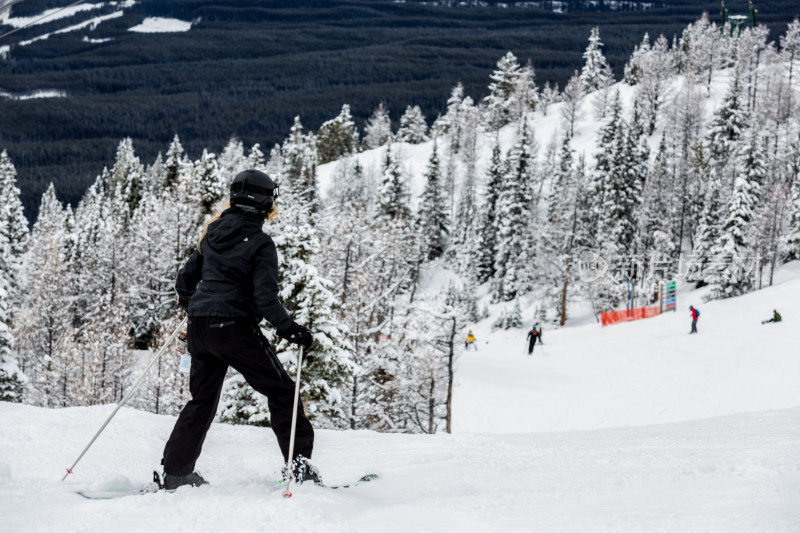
x=533, y=335
x=776, y=317
x=227, y=286
x=695, y=316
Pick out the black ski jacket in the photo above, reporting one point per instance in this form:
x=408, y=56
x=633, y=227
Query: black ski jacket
x=235, y=272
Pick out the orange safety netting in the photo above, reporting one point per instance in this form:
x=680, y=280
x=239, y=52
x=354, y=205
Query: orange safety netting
x=615, y=317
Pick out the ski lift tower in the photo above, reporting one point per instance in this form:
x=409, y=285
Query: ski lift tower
x=739, y=22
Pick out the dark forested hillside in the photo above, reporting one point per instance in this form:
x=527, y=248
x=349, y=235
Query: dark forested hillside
x=247, y=67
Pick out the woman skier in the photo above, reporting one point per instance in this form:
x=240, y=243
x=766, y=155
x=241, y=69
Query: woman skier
x=227, y=286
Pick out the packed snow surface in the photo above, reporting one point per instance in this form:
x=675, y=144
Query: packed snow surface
x=161, y=25
x=637, y=427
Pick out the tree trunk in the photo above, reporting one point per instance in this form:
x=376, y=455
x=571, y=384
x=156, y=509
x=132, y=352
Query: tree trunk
x=450, y=361
x=564, y=295
x=431, y=406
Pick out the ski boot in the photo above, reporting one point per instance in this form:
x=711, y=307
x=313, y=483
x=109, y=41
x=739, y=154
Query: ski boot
x=173, y=482
x=303, y=471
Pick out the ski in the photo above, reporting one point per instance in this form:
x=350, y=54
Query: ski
x=154, y=486
x=110, y=494
x=363, y=479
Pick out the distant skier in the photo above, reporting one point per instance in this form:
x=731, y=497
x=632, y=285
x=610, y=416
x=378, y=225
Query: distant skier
x=227, y=286
x=470, y=342
x=776, y=317
x=695, y=316
x=533, y=335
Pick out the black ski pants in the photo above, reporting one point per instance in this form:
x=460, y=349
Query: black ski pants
x=214, y=344
x=532, y=343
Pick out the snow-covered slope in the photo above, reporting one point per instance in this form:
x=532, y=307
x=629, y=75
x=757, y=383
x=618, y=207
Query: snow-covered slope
x=504, y=469
x=644, y=372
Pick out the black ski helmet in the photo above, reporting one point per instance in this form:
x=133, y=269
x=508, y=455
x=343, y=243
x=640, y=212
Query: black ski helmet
x=253, y=191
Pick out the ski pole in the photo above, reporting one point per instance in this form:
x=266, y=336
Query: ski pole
x=124, y=400
x=288, y=493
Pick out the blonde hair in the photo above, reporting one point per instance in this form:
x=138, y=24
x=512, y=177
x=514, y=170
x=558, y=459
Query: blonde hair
x=271, y=217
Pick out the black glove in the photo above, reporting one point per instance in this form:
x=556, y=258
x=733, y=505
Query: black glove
x=297, y=334
x=183, y=304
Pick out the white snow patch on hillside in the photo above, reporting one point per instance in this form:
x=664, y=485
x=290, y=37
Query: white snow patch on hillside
x=42, y=93
x=161, y=25
x=50, y=15
x=92, y=23
x=97, y=41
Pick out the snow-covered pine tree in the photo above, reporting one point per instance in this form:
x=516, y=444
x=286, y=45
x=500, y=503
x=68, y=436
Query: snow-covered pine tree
x=96, y=266
x=595, y=73
x=393, y=195
x=707, y=233
x=652, y=89
x=433, y=223
x=603, y=163
x=207, y=180
x=300, y=166
x=43, y=321
x=686, y=157
x=702, y=48
x=513, y=211
x=378, y=129
x=499, y=103
x=617, y=219
x=431, y=342
x=526, y=94
x=452, y=122
x=566, y=230
x=570, y=110
x=465, y=241
x=231, y=161
x=791, y=243
x=726, y=277
x=413, y=128
x=790, y=55
x=337, y=137
x=751, y=48
x=12, y=380
x=730, y=121
x=256, y=158
x=175, y=159
x=655, y=240
x=487, y=214
x=125, y=183
x=13, y=229
x=310, y=301
x=274, y=165
x=733, y=270
x=550, y=95
x=634, y=68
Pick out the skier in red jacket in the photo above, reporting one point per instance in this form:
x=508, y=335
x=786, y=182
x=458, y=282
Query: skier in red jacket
x=695, y=316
